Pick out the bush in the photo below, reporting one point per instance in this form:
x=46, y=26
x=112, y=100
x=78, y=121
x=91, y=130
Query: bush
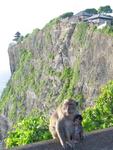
x=65, y=15
x=107, y=30
x=91, y=11
x=27, y=131
x=101, y=115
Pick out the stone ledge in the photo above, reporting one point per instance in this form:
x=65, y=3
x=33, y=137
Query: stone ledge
x=97, y=140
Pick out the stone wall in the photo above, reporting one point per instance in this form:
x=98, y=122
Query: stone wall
x=98, y=140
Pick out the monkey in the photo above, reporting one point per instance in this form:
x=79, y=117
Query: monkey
x=78, y=129
x=52, y=125
x=61, y=122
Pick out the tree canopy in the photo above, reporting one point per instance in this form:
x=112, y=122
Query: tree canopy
x=18, y=37
x=91, y=11
x=65, y=15
x=105, y=9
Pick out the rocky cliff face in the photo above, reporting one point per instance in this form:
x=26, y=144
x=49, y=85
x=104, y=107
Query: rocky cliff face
x=64, y=59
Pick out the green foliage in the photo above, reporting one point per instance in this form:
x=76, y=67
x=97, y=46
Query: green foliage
x=73, y=80
x=17, y=84
x=101, y=115
x=52, y=23
x=6, y=93
x=69, y=77
x=18, y=37
x=108, y=30
x=27, y=35
x=51, y=55
x=80, y=33
x=27, y=131
x=35, y=32
x=105, y=9
x=47, y=30
x=65, y=77
x=91, y=11
x=65, y=15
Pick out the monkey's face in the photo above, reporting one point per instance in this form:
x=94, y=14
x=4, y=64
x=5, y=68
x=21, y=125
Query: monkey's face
x=68, y=109
x=77, y=121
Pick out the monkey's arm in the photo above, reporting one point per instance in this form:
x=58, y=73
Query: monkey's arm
x=52, y=125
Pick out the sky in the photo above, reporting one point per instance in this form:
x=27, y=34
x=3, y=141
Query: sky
x=26, y=15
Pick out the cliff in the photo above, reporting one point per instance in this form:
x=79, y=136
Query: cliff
x=64, y=59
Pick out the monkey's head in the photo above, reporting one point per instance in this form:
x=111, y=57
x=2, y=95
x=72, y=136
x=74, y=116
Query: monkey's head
x=69, y=107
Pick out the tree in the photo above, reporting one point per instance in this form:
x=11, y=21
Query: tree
x=91, y=11
x=17, y=36
x=105, y=9
x=65, y=15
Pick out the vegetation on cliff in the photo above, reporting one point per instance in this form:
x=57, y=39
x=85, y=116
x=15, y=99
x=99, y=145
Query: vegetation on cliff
x=101, y=9
x=29, y=130
x=16, y=85
x=36, y=128
x=107, y=30
x=37, y=85
x=101, y=115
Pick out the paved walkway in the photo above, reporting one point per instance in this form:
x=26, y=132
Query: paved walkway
x=99, y=140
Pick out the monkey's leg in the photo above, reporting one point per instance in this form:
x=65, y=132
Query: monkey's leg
x=81, y=135
x=60, y=128
x=53, y=132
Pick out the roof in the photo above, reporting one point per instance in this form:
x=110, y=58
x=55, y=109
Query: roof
x=83, y=13
x=100, y=16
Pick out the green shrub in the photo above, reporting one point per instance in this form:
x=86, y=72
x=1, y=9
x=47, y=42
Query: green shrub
x=101, y=115
x=80, y=34
x=69, y=77
x=14, y=94
x=91, y=11
x=27, y=131
x=107, y=30
x=65, y=15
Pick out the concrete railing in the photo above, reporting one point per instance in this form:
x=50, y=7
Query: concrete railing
x=98, y=140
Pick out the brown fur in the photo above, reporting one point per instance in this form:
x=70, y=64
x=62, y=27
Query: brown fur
x=61, y=121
